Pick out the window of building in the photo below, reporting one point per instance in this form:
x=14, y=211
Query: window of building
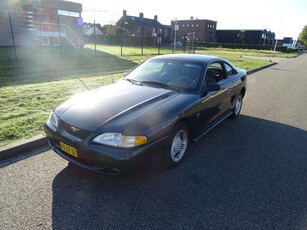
x=188, y=25
x=138, y=29
x=192, y=25
x=197, y=25
x=154, y=30
x=68, y=13
x=183, y=25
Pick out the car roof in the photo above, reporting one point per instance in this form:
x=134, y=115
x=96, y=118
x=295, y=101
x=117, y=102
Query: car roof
x=188, y=58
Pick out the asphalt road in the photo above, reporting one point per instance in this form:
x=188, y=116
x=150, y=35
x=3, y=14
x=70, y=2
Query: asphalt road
x=249, y=173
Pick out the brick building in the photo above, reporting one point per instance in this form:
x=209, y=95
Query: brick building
x=150, y=28
x=37, y=24
x=205, y=30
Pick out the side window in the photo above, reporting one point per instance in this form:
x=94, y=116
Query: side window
x=215, y=73
x=229, y=70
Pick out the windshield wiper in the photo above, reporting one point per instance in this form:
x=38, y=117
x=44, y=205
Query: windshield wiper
x=161, y=85
x=134, y=82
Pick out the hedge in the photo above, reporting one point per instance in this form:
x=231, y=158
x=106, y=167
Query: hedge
x=283, y=49
x=128, y=40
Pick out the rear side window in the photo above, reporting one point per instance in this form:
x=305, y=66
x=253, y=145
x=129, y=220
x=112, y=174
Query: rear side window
x=229, y=70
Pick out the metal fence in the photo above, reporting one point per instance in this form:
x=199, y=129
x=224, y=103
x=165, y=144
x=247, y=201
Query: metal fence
x=25, y=34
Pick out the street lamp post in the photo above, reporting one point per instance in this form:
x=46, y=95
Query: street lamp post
x=175, y=30
x=142, y=40
x=95, y=36
x=278, y=34
x=121, y=37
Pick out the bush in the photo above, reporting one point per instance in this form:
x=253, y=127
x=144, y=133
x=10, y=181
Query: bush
x=128, y=40
x=283, y=49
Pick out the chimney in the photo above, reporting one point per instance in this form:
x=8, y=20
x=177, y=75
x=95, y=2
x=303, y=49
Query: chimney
x=125, y=13
x=141, y=15
x=156, y=18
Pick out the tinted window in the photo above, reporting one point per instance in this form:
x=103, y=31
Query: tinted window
x=173, y=73
x=229, y=70
x=215, y=71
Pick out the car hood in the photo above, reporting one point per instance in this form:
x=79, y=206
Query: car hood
x=112, y=107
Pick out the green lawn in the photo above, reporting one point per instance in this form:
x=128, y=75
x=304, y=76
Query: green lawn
x=40, y=80
x=242, y=52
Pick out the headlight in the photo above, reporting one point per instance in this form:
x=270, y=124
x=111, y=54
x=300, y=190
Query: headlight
x=53, y=120
x=111, y=139
x=119, y=140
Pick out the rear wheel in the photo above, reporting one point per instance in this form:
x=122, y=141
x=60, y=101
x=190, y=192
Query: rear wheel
x=177, y=146
x=237, y=108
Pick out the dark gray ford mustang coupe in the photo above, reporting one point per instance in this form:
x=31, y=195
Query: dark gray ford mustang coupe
x=154, y=111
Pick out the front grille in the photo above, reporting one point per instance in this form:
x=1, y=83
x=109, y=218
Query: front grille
x=75, y=131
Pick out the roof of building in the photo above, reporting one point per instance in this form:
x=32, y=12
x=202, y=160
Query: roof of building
x=195, y=20
x=89, y=30
x=142, y=21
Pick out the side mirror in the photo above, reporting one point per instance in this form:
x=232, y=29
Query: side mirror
x=210, y=87
x=213, y=87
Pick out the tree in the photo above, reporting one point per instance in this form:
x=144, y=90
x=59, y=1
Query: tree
x=241, y=36
x=125, y=32
x=109, y=29
x=303, y=35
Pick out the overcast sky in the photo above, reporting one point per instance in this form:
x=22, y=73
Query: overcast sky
x=284, y=17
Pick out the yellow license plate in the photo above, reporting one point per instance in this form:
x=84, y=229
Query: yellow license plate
x=68, y=149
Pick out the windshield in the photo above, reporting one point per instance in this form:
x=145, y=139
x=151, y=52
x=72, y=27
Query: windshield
x=174, y=74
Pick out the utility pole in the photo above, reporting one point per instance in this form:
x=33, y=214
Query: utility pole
x=121, y=38
x=175, y=29
x=278, y=34
x=142, y=40
x=12, y=33
x=60, y=38
x=95, y=36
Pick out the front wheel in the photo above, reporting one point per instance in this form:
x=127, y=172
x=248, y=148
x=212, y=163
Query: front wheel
x=177, y=146
x=237, y=108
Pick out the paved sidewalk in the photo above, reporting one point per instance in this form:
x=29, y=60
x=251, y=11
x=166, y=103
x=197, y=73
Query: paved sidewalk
x=272, y=59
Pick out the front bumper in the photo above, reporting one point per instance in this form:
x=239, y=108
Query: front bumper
x=103, y=159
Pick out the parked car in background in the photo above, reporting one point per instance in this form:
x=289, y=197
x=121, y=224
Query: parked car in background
x=154, y=111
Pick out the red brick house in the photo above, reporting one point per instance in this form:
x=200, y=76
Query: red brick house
x=204, y=29
x=151, y=28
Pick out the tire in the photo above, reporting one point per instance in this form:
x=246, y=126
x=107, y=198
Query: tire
x=237, y=107
x=177, y=146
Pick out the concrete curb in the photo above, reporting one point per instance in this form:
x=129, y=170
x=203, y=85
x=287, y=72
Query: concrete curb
x=299, y=55
x=261, y=68
x=22, y=146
